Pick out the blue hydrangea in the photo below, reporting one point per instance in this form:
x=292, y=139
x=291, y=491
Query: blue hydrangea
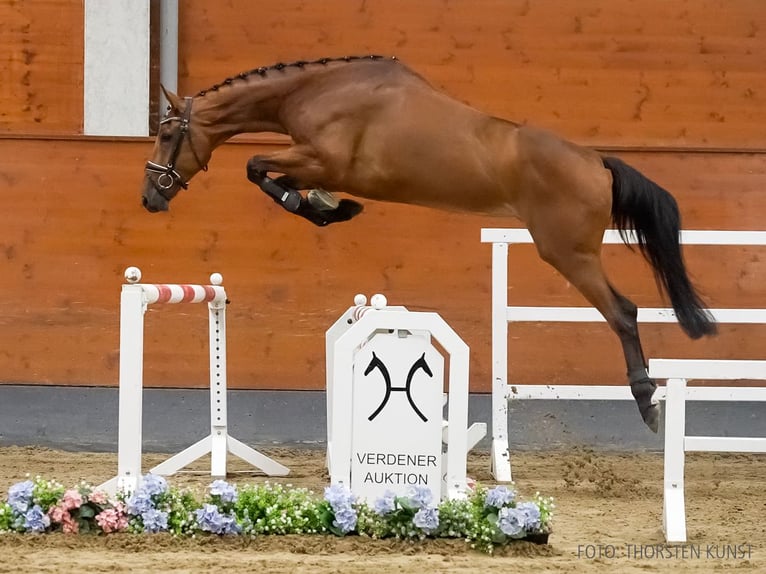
x=385, y=504
x=153, y=484
x=345, y=519
x=338, y=495
x=154, y=520
x=499, y=497
x=225, y=491
x=341, y=501
x=140, y=502
x=511, y=522
x=210, y=519
x=20, y=496
x=421, y=497
x=531, y=513
x=229, y=525
x=427, y=519
x=35, y=520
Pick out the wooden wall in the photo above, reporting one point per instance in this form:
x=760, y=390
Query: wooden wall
x=677, y=89
x=42, y=44
x=601, y=72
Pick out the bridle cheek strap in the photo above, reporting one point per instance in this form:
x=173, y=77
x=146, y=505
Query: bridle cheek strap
x=168, y=176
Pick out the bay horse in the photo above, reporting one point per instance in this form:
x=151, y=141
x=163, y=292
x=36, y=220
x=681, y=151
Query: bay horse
x=373, y=128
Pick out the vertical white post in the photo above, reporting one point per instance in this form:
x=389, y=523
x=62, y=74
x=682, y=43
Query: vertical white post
x=218, y=414
x=336, y=330
x=457, y=430
x=132, y=309
x=674, y=504
x=339, y=449
x=501, y=461
x=168, y=49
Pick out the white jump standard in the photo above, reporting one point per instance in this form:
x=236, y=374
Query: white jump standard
x=385, y=401
x=134, y=301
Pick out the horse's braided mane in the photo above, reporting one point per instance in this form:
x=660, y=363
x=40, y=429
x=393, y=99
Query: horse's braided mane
x=262, y=71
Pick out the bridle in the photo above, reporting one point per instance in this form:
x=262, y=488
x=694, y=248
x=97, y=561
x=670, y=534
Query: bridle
x=168, y=176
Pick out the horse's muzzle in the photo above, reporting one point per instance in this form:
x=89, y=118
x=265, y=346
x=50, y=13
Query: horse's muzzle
x=153, y=200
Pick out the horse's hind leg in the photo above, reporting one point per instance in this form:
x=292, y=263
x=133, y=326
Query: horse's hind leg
x=301, y=169
x=642, y=387
x=579, y=261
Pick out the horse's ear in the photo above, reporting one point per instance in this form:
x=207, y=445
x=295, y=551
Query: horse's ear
x=173, y=99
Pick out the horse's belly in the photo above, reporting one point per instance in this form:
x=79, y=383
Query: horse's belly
x=440, y=192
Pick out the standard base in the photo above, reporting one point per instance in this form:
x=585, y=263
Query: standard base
x=217, y=445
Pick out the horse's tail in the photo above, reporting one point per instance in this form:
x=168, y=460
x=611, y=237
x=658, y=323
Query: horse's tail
x=640, y=205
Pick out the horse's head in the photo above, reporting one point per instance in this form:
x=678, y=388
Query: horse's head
x=180, y=151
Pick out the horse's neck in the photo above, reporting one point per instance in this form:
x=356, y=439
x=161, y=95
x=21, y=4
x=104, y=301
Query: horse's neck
x=250, y=107
x=251, y=104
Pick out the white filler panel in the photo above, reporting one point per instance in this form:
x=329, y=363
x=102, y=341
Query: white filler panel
x=116, y=77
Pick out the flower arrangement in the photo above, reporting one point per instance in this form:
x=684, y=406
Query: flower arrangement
x=485, y=519
x=40, y=506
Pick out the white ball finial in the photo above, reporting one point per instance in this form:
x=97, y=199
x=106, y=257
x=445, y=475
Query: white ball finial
x=132, y=275
x=360, y=300
x=216, y=279
x=378, y=301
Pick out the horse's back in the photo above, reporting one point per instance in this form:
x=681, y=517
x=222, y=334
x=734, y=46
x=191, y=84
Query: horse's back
x=388, y=134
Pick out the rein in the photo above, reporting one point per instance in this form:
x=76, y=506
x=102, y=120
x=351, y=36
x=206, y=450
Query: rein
x=168, y=176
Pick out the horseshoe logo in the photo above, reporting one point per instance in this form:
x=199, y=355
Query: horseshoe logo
x=420, y=364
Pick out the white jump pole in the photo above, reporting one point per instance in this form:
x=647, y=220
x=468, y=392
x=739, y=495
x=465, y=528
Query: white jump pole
x=134, y=301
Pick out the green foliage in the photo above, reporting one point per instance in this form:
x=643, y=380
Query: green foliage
x=6, y=517
x=275, y=509
x=47, y=493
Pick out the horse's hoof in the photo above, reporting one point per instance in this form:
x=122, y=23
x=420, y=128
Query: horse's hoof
x=644, y=392
x=322, y=200
x=345, y=211
x=652, y=417
x=347, y=208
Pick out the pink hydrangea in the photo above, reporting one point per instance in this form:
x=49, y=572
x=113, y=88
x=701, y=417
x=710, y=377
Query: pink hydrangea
x=99, y=497
x=57, y=513
x=69, y=525
x=113, y=519
x=72, y=499
x=60, y=515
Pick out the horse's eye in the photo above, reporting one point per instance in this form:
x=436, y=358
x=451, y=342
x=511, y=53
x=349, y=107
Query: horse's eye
x=165, y=137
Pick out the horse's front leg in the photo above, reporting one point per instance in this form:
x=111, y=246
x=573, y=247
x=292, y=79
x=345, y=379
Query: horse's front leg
x=319, y=206
x=282, y=190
